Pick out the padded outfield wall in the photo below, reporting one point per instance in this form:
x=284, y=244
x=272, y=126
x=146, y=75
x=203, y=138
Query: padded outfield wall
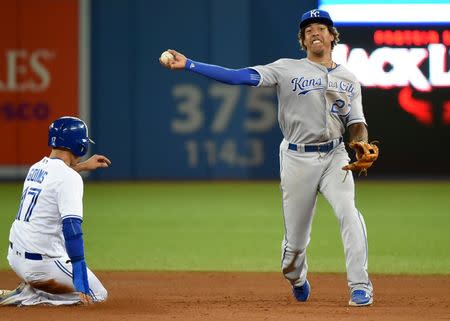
x=169, y=125
x=158, y=124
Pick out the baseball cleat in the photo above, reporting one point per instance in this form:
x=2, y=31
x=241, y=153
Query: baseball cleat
x=301, y=293
x=360, y=298
x=9, y=297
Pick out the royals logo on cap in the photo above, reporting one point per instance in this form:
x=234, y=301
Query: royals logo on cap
x=315, y=15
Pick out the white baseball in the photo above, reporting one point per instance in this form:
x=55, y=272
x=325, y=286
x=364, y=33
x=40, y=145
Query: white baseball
x=166, y=57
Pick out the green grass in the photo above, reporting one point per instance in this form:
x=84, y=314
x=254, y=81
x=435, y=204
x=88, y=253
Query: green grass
x=238, y=226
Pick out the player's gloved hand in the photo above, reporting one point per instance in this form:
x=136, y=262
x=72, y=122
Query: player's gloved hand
x=366, y=154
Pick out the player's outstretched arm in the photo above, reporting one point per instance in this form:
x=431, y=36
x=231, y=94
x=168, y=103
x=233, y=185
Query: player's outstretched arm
x=94, y=162
x=246, y=76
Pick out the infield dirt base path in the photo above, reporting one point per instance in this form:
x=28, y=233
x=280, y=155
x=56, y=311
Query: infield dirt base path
x=245, y=296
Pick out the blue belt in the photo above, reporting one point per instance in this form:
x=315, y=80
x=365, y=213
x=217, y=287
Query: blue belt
x=323, y=148
x=28, y=255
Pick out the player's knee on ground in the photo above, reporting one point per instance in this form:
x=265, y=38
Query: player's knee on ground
x=100, y=294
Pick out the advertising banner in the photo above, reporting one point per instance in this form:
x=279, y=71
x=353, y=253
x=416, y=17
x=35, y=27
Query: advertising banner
x=399, y=52
x=39, y=76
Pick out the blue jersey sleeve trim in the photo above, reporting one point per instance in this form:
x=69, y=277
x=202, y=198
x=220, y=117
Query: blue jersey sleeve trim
x=244, y=76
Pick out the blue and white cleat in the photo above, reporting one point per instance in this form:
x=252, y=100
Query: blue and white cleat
x=360, y=298
x=301, y=293
x=9, y=297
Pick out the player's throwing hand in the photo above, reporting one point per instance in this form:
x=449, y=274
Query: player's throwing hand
x=172, y=59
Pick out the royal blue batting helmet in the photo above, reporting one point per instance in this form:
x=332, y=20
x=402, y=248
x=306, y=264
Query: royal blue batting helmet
x=70, y=133
x=315, y=15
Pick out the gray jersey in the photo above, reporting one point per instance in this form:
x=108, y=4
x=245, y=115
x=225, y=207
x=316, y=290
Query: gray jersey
x=314, y=104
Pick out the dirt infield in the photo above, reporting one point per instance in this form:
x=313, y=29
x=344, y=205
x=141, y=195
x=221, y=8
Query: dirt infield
x=233, y=296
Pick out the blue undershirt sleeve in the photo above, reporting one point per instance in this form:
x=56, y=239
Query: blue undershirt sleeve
x=244, y=76
x=73, y=235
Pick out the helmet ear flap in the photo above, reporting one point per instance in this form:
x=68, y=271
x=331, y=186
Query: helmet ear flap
x=82, y=147
x=55, y=138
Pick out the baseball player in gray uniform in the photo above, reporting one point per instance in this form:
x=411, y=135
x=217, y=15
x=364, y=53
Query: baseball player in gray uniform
x=46, y=247
x=317, y=101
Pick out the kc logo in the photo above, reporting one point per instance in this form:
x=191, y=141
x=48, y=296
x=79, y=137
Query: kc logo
x=315, y=13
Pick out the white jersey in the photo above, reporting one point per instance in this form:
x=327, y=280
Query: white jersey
x=52, y=191
x=314, y=105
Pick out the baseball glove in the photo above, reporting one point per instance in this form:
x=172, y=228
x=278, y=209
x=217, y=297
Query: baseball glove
x=366, y=154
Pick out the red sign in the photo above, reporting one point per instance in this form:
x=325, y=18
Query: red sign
x=38, y=74
x=413, y=60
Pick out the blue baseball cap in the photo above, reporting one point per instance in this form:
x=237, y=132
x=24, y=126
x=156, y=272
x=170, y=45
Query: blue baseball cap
x=316, y=15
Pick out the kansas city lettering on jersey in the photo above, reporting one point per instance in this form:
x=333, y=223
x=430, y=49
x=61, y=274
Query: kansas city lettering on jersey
x=342, y=86
x=305, y=85
x=36, y=175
